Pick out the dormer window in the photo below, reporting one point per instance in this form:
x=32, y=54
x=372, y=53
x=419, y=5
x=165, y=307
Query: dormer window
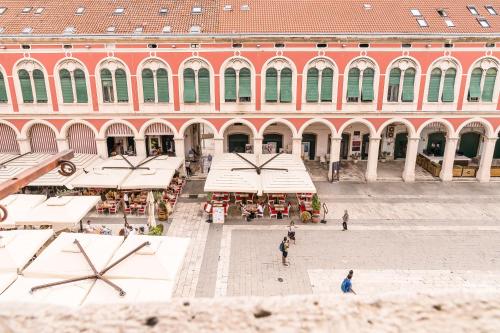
x=138, y=30
x=39, y=10
x=163, y=11
x=27, y=30
x=415, y=12
x=80, y=11
x=195, y=29
x=196, y=10
x=69, y=30
x=119, y=11
x=473, y=10
x=111, y=29
x=2, y=10
x=483, y=22
x=422, y=23
x=166, y=29
x=26, y=10
x=491, y=10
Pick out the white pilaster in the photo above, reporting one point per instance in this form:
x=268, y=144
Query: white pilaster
x=297, y=147
x=484, y=171
x=180, y=152
x=257, y=146
x=62, y=144
x=24, y=145
x=334, y=154
x=140, y=147
x=450, y=150
x=218, y=146
x=102, y=148
x=411, y=158
x=371, y=168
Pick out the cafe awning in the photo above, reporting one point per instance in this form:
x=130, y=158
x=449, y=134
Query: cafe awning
x=18, y=204
x=287, y=182
x=12, y=165
x=232, y=181
x=59, y=212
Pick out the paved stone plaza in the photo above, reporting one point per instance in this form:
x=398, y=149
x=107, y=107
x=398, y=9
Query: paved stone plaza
x=403, y=237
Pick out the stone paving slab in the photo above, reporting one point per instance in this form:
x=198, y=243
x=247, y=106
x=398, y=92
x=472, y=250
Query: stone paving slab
x=382, y=282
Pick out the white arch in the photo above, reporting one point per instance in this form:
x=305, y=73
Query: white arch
x=281, y=121
x=144, y=127
x=371, y=128
x=26, y=128
x=416, y=84
x=238, y=120
x=7, y=85
x=211, y=72
x=142, y=66
x=17, y=85
x=449, y=127
x=64, y=129
x=496, y=87
x=458, y=78
x=228, y=60
x=406, y=122
x=104, y=128
x=184, y=127
x=264, y=68
x=57, y=80
x=376, y=78
x=5, y=122
x=335, y=78
x=223, y=68
x=98, y=85
x=317, y=120
x=59, y=63
x=486, y=124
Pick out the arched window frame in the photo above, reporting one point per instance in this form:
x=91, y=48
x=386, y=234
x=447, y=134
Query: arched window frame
x=5, y=80
x=112, y=65
x=484, y=64
x=30, y=66
x=279, y=64
x=403, y=64
x=196, y=64
x=320, y=64
x=362, y=64
x=444, y=65
x=155, y=65
x=71, y=65
x=237, y=64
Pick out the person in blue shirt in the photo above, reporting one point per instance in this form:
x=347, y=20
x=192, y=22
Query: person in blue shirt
x=347, y=284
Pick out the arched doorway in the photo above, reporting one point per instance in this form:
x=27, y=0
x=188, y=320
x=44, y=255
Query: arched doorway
x=469, y=144
x=159, y=140
x=42, y=139
x=400, y=145
x=309, y=146
x=496, y=154
x=344, y=146
x=436, y=143
x=237, y=143
x=199, y=145
x=120, y=140
x=9, y=140
x=81, y=139
x=354, y=151
x=274, y=143
x=365, y=145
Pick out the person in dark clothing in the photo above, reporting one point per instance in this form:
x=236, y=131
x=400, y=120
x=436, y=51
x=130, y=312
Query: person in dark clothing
x=345, y=219
x=284, y=251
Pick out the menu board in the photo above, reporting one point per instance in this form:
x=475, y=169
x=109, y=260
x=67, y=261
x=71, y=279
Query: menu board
x=218, y=215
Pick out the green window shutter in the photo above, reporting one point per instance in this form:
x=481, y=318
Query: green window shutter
x=449, y=85
x=489, y=85
x=121, y=86
x=353, y=83
x=312, y=85
x=204, y=85
x=107, y=86
x=189, y=86
x=230, y=85
x=393, y=87
x=3, y=90
x=475, y=84
x=148, y=86
x=271, y=85
x=435, y=82
x=81, y=87
x=367, y=87
x=286, y=85
x=66, y=86
x=327, y=85
x=162, y=85
x=394, y=76
x=40, y=89
x=408, y=85
x=245, y=88
x=26, y=89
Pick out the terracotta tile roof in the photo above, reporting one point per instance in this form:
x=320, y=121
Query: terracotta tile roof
x=263, y=16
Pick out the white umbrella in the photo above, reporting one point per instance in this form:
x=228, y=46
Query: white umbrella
x=151, y=209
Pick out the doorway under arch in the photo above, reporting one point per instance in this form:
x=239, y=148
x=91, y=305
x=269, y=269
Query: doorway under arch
x=238, y=142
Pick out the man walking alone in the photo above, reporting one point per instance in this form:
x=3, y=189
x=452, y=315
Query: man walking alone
x=345, y=219
x=284, y=251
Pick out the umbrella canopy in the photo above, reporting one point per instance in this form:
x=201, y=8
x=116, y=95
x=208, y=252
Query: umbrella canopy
x=18, y=164
x=18, y=204
x=232, y=181
x=287, y=182
x=151, y=209
x=59, y=212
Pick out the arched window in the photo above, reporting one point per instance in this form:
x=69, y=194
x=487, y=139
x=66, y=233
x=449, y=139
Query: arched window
x=434, y=84
x=408, y=85
x=155, y=87
x=230, y=85
x=312, y=94
x=32, y=82
x=482, y=81
x=3, y=90
x=73, y=83
x=40, y=89
x=442, y=82
x=360, y=81
x=26, y=86
x=271, y=85
x=319, y=82
x=114, y=82
x=394, y=80
x=162, y=85
x=401, y=85
x=148, y=85
x=353, y=85
x=196, y=77
x=279, y=81
x=367, y=86
x=245, y=85
x=237, y=85
x=327, y=85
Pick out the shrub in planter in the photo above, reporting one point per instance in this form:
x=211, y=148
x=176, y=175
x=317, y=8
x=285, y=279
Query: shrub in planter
x=305, y=217
x=316, y=205
x=156, y=231
x=162, y=211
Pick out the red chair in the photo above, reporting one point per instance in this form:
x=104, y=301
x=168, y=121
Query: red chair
x=128, y=211
x=286, y=211
x=272, y=212
x=100, y=210
x=141, y=210
x=113, y=210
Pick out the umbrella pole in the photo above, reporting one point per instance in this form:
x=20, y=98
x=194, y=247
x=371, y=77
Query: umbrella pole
x=125, y=222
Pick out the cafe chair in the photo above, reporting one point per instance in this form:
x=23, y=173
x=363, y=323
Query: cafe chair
x=128, y=211
x=141, y=210
x=113, y=210
x=100, y=210
x=286, y=211
x=272, y=212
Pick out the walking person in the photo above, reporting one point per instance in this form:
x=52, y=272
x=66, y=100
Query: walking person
x=291, y=231
x=188, y=168
x=345, y=219
x=284, y=251
x=346, y=286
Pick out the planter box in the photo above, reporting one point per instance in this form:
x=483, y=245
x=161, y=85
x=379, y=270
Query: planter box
x=495, y=171
x=457, y=171
x=434, y=169
x=469, y=171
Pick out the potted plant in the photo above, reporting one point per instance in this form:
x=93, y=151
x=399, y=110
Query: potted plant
x=162, y=211
x=355, y=157
x=384, y=156
x=316, y=208
x=156, y=231
x=305, y=217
